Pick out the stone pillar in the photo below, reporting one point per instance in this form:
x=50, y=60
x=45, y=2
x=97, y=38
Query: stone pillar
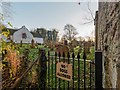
x=109, y=42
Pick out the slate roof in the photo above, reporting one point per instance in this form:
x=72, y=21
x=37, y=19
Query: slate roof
x=36, y=34
x=12, y=31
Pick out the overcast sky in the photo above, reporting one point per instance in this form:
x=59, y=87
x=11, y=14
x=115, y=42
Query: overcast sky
x=53, y=15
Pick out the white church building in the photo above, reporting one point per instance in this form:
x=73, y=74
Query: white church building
x=24, y=35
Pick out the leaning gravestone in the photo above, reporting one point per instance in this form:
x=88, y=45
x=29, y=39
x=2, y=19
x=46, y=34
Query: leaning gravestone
x=32, y=43
x=63, y=49
x=87, y=47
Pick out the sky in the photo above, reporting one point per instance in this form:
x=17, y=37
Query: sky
x=51, y=15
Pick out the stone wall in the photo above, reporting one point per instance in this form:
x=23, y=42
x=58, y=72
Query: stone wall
x=107, y=25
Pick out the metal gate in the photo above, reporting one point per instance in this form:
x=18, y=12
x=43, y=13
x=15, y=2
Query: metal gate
x=86, y=74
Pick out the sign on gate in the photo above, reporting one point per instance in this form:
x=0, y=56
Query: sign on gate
x=64, y=71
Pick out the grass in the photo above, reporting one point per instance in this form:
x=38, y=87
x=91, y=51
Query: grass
x=90, y=56
x=33, y=52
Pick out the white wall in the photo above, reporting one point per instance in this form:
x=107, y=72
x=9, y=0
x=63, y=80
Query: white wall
x=38, y=40
x=17, y=36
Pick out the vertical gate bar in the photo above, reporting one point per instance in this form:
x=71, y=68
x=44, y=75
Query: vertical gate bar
x=48, y=69
x=93, y=72
x=84, y=57
x=90, y=74
x=59, y=78
x=98, y=70
x=55, y=70
x=78, y=57
x=64, y=61
x=73, y=56
x=52, y=71
x=43, y=69
x=68, y=63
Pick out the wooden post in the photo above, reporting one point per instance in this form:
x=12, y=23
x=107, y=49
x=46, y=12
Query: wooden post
x=98, y=70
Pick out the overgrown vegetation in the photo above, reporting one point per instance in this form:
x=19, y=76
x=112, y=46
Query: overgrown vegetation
x=10, y=61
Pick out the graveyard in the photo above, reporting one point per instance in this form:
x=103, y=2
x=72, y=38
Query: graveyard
x=25, y=54
x=46, y=50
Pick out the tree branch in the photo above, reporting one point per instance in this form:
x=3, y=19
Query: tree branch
x=90, y=12
x=87, y=22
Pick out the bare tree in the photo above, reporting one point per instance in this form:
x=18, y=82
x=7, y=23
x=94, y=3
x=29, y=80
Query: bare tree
x=6, y=9
x=70, y=32
x=90, y=18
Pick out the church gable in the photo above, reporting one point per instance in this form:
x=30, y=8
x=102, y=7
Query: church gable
x=23, y=34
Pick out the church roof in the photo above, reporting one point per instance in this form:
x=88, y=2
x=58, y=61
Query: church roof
x=11, y=30
x=36, y=34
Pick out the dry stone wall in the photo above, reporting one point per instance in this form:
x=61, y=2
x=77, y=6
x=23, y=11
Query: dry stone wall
x=108, y=40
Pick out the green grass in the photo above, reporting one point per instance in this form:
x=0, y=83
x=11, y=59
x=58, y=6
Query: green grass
x=90, y=56
x=33, y=52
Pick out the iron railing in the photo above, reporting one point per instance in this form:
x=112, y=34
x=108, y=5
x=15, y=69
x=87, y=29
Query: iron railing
x=86, y=74
x=83, y=71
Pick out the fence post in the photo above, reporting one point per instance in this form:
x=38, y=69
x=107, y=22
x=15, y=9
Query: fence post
x=42, y=69
x=98, y=70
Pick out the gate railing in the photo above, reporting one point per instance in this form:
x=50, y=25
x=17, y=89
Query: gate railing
x=86, y=74
x=23, y=82
x=83, y=71
x=19, y=80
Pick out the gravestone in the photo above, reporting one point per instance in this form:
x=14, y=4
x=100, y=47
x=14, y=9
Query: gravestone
x=21, y=43
x=63, y=49
x=87, y=46
x=32, y=44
